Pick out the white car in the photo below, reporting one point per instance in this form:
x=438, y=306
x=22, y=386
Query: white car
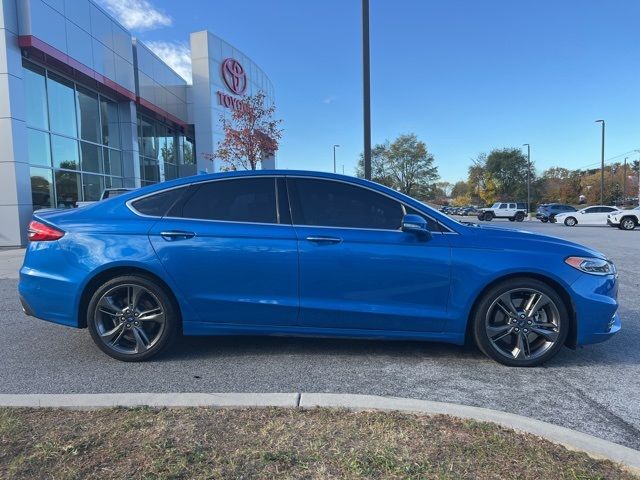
x=595, y=215
x=625, y=219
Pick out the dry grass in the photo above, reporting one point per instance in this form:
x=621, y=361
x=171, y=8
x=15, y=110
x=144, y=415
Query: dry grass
x=201, y=443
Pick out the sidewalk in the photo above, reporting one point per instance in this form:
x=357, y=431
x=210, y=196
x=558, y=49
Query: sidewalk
x=10, y=262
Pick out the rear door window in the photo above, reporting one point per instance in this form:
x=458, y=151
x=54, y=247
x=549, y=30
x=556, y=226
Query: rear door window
x=247, y=200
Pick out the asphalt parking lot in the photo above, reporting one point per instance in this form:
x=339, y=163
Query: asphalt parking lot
x=595, y=389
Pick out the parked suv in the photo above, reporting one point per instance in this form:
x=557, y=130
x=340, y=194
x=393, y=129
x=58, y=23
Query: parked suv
x=515, y=212
x=547, y=212
x=624, y=219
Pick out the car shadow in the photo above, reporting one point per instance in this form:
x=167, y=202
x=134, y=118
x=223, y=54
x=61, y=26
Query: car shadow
x=236, y=346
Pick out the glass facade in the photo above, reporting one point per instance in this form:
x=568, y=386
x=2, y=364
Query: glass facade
x=160, y=146
x=74, y=143
x=73, y=136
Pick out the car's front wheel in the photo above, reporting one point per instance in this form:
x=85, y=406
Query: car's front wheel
x=131, y=318
x=521, y=322
x=570, y=222
x=488, y=216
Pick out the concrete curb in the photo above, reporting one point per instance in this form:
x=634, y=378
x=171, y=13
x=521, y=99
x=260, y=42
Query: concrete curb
x=571, y=439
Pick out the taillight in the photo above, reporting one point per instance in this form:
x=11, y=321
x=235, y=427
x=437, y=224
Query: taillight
x=39, y=232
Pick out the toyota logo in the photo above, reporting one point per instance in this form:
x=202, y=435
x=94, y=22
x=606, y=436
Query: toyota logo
x=234, y=76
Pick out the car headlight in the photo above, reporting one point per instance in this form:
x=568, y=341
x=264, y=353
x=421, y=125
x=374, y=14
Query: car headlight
x=592, y=265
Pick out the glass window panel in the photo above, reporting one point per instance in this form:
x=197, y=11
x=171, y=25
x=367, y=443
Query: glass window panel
x=170, y=171
x=161, y=140
x=65, y=152
x=88, y=114
x=151, y=170
x=115, y=182
x=168, y=150
x=41, y=188
x=68, y=189
x=39, y=147
x=36, y=89
x=92, y=185
x=147, y=139
x=91, y=157
x=112, y=162
x=188, y=152
x=110, y=123
x=62, y=106
x=242, y=200
x=129, y=183
x=336, y=204
x=128, y=167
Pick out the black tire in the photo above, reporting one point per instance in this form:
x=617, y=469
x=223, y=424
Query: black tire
x=481, y=216
x=627, y=223
x=570, y=221
x=164, y=333
x=544, y=220
x=519, y=217
x=488, y=216
x=481, y=336
x=512, y=219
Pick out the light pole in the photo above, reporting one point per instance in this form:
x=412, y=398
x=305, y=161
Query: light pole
x=334, y=158
x=624, y=183
x=366, y=89
x=528, y=179
x=602, y=165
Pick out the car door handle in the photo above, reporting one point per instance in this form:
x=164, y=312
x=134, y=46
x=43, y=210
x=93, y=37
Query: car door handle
x=176, y=235
x=321, y=239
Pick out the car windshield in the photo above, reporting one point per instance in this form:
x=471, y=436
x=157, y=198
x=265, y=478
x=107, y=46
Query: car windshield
x=496, y=205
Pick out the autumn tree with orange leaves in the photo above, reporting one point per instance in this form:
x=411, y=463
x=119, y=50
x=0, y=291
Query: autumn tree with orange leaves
x=250, y=135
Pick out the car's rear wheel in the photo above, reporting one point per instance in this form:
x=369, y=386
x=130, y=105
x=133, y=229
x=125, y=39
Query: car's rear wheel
x=544, y=220
x=519, y=217
x=570, y=222
x=627, y=223
x=131, y=318
x=512, y=219
x=521, y=322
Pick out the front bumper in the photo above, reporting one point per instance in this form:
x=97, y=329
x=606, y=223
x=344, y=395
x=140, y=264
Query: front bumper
x=595, y=302
x=612, y=222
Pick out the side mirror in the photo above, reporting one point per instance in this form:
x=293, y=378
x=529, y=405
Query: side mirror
x=417, y=225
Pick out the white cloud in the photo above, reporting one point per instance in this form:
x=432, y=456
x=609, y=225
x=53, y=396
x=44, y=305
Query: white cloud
x=176, y=55
x=328, y=99
x=137, y=14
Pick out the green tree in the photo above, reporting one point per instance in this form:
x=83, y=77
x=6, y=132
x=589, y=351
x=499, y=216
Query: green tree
x=404, y=165
x=379, y=165
x=460, y=189
x=507, y=168
x=411, y=166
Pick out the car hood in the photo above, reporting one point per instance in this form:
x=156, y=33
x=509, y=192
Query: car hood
x=509, y=238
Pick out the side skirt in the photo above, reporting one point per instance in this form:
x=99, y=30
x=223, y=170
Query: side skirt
x=201, y=328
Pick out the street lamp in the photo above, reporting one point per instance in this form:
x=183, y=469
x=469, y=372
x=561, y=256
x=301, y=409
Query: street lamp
x=602, y=164
x=528, y=179
x=366, y=89
x=334, y=158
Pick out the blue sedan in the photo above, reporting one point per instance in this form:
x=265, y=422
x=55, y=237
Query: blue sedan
x=314, y=254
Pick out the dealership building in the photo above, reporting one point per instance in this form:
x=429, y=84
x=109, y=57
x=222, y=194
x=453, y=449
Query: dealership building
x=85, y=106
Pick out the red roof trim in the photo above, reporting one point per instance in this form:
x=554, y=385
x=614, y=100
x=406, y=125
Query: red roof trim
x=29, y=41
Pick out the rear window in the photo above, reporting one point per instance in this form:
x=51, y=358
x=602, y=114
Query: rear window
x=157, y=205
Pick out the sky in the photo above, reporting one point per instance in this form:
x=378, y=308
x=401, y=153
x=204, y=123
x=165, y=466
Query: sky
x=466, y=76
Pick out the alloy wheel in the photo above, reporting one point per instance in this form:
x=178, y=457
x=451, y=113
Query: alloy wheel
x=523, y=324
x=129, y=319
x=628, y=224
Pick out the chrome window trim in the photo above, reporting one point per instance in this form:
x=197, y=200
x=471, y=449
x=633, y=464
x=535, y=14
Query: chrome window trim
x=402, y=204
x=129, y=205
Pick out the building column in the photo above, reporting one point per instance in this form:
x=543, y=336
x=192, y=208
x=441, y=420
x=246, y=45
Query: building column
x=129, y=131
x=15, y=181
